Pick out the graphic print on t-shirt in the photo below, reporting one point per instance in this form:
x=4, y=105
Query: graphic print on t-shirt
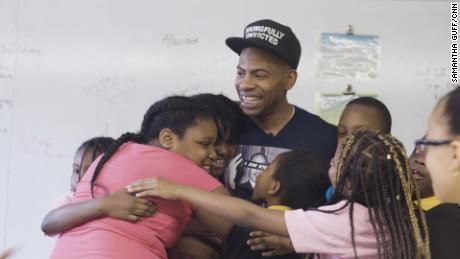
x=249, y=163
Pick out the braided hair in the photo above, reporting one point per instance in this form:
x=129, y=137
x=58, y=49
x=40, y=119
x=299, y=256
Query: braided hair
x=96, y=146
x=226, y=112
x=376, y=171
x=91, y=148
x=175, y=112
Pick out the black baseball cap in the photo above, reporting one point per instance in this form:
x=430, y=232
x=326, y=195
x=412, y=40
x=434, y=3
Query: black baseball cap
x=270, y=36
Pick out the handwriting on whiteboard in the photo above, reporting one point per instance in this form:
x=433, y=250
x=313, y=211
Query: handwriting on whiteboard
x=29, y=50
x=7, y=58
x=24, y=49
x=170, y=40
x=113, y=89
x=5, y=72
x=35, y=145
x=5, y=50
x=435, y=80
x=6, y=61
x=5, y=104
x=6, y=108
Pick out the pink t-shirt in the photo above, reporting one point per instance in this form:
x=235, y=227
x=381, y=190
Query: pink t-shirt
x=329, y=234
x=65, y=199
x=116, y=239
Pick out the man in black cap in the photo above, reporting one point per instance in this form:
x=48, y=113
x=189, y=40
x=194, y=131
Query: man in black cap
x=269, y=55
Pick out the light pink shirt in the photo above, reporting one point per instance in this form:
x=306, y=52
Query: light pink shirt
x=329, y=234
x=116, y=239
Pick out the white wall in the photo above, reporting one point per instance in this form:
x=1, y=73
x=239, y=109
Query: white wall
x=71, y=70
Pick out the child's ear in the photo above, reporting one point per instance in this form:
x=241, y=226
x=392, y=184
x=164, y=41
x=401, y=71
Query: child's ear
x=167, y=138
x=275, y=187
x=347, y=189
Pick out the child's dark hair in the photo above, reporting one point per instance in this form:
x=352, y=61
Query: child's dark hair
x=175, y=112
x=375, y=170
x=452, y=110
x=226, y=112
x=380, y=107
x=96, y=146
x=303, y=179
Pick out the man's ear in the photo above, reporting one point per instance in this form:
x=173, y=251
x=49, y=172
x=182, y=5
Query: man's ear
x=291, y=79
x=167, y=138
x=275, y=187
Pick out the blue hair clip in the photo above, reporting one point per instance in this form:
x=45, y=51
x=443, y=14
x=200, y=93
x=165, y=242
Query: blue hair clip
x=329, y=193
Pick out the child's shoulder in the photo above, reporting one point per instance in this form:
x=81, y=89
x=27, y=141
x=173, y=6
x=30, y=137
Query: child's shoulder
x=343, y=206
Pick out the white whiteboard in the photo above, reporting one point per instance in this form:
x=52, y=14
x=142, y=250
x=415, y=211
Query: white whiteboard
x=71, y=70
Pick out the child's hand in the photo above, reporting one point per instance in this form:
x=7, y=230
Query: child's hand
x=154, y=186
x=271, y=245
x=123, y=205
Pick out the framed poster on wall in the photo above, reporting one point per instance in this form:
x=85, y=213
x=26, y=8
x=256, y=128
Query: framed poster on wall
x=329, y=106
x=347, y=56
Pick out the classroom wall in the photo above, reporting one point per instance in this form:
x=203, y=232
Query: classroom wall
x=71, y=70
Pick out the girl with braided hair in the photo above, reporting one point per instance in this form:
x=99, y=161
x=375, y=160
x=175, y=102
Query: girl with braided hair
x=197, y=241
x=122, y=205
x=372, y=170
x=176, y=141
x=85, y=155
x=229, y=119
x=65, y=215
x=371, y=215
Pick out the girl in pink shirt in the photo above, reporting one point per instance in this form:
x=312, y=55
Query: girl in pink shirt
x=371, y=214
x=176, y=141
x=86, y=153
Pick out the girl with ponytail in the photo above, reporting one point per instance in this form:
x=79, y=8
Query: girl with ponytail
x=176, y=142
